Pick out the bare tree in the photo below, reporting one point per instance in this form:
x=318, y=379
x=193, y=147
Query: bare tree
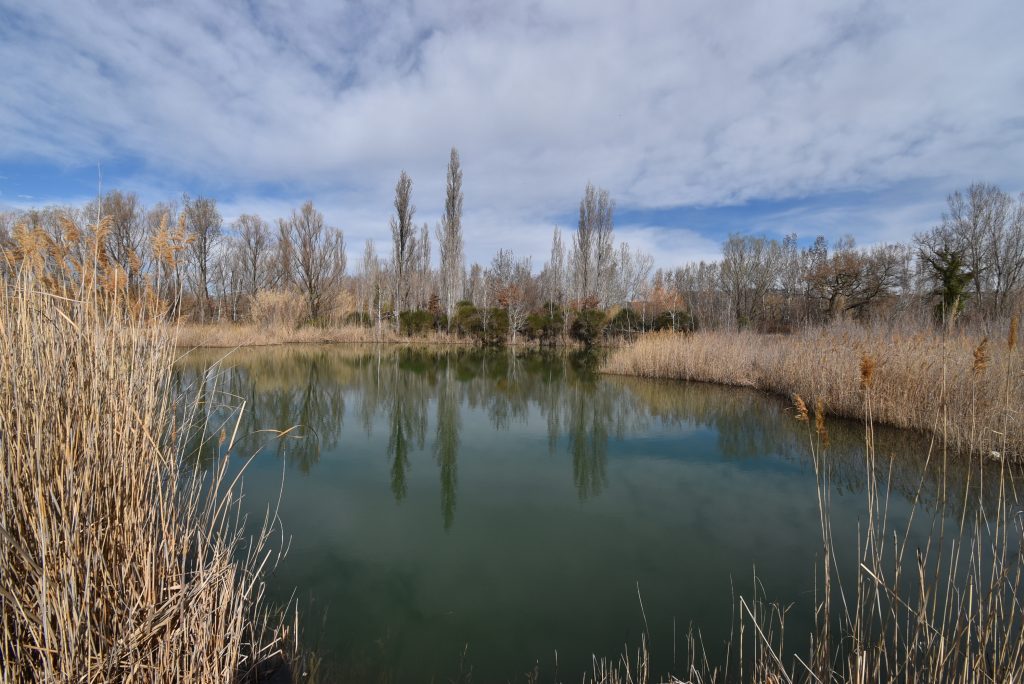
x=700, y=286
x=631, y=273
x=553, y=276
x=255, y=253
x=790, y=279
x=849, y=280
x=577, y=266
x=970, y=221
x=514, y=288
x=403, y=238
x=986, y=227
x=604, y=247
x=592, y=244
x=748, y=271
x=1004, y=252
x=283, y=272
x=226, y=277
x=475, y=285
x=320, y=261
x=374, y=283
x=449, y=236
x=125, y=242
x=203, y=225
x=664, y=298
x=421, y=274
x=582, y=249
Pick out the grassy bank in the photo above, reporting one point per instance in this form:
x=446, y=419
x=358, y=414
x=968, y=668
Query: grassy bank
x=191, y=335
x=966, y=389
x=113, y=567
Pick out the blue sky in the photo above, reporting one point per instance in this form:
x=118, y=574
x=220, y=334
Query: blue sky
x=701, y=118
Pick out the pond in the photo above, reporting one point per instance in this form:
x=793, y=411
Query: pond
x=462, y=511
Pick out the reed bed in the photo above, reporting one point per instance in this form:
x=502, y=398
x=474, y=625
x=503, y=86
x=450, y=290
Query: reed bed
x=958, y=387
x=946, y=610
x=116, y=563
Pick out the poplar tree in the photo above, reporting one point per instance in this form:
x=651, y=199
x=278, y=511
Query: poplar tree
x=403, y=237
x=449, y=235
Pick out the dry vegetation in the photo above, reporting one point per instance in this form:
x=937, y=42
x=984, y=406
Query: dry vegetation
x=946, y=610
x=957, y=386
x=115, y=564
x=252, y=335
x=278, y=318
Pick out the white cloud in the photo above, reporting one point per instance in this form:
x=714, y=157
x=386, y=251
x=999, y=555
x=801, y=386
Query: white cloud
x=663, y=103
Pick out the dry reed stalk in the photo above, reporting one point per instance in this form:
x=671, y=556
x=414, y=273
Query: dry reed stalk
x=115, y=565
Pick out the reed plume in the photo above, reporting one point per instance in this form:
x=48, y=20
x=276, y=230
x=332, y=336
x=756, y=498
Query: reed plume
x=867, y=370
x=981, y=357
x=801, y=408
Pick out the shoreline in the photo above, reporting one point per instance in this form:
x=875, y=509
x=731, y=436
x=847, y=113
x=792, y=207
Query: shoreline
x=230, y=336
x=225, y=336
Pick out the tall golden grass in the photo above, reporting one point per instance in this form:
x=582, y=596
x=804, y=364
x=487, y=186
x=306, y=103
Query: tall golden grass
x=958, y=387
x=947, y=610
x=116, y=564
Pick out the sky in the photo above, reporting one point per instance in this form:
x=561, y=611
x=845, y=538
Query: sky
x=701, y=118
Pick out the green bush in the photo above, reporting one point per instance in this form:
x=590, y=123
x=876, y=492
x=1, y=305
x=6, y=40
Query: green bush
x=417, y=322
x=544, y=325
x=588, y=326
x=625, y=322
x=491, y=329
x=680, y=321
x=462, y=317
x=487, y=326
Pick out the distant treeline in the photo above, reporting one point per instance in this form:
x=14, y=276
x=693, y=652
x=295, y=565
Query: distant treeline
x=295, y=271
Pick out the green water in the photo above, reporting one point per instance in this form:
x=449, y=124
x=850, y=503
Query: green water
x=460, y=512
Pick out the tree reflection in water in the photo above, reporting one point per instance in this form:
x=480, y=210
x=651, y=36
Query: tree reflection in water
x=305, y=387
x=446, y=442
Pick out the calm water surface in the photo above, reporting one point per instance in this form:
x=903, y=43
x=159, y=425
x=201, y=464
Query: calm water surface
x=490, y=512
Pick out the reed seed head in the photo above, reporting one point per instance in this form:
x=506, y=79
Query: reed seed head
x=981, y=357
x=819, y=421
x=801, y=408
x=1011, y=341
x=867, y=370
